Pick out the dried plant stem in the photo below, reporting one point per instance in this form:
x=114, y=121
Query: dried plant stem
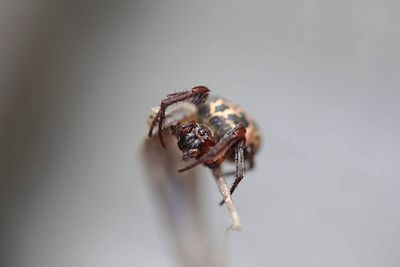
x=223, y=188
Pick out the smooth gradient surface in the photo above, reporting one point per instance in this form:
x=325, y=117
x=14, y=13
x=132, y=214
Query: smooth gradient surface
x=321, y=78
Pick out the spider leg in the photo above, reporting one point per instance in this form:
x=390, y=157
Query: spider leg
x=240, y=167
x=189, y=154
x=249, y=159
x=196, y=96
x=250, y=156
x=230, y=139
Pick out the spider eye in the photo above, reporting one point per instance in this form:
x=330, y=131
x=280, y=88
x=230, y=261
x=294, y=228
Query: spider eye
x=201, y=132
x=204, y=132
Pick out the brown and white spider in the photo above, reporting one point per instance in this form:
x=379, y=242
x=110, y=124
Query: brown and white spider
x=219, y=131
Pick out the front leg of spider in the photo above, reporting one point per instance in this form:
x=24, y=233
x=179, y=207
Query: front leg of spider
x=248, y=152
x=196, y=96
x=235, y=136
x=240, y=166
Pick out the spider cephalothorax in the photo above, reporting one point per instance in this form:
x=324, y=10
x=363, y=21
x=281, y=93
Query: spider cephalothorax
x=220, y=131
x=194, y=140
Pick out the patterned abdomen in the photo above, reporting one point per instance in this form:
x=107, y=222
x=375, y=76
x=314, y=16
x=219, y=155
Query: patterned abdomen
x=222, y=116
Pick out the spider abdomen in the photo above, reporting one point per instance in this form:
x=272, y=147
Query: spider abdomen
x=222, y=115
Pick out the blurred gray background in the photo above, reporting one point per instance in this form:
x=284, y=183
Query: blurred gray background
x=78, y=79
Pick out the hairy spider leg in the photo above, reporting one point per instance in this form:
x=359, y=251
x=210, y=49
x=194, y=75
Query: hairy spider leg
x=230, y=139
x=240, y=166
x=248, y=159
x=196, y=96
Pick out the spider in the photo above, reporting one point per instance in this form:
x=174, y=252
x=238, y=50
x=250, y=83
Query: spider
x=219, y=131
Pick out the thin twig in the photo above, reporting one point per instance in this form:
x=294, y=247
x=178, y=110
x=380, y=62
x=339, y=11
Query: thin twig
x=223, y=188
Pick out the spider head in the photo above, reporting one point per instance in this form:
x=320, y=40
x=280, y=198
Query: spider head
x=194, y=139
